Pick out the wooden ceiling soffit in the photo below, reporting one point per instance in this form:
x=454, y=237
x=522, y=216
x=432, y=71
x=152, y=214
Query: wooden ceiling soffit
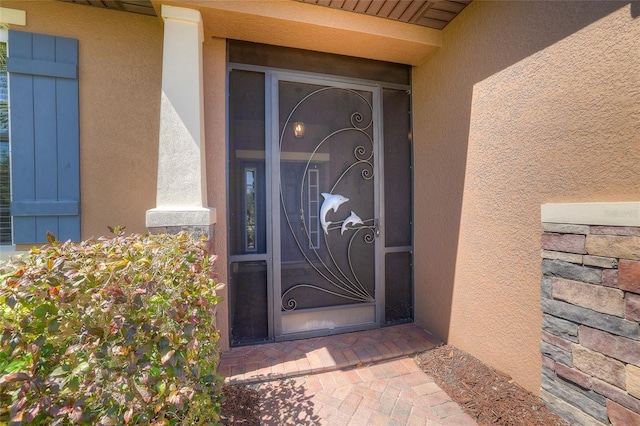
x=432, y=14
x=427, y=13
x=143, y=7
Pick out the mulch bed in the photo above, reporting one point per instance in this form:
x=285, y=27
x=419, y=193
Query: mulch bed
x=240, y=406
x=487, y=396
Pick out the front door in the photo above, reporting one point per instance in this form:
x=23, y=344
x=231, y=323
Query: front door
x=325, y=203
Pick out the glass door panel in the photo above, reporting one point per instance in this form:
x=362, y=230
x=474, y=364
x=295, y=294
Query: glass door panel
x=398, y=228
x=248, y=282
x=247, y=156
x=250, y=316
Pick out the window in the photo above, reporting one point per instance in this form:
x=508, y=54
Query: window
x=247, y=166
x=5, y=184
x=250, y=209
x=314, y=208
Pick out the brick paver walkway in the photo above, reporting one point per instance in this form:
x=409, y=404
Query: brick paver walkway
x=362, y=378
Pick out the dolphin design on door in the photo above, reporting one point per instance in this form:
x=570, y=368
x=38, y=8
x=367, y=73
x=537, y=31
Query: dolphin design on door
x=353, y=219
x=331, y=202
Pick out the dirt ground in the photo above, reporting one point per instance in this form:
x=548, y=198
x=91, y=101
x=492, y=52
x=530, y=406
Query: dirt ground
x=483, y=393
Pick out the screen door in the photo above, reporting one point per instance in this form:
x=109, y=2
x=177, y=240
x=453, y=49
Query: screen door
x=325, y=156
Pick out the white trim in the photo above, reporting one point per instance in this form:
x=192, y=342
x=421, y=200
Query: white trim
x=171, y=216
x=180, y=13
x=13, y=16
x=606, y=214
x=183, y=14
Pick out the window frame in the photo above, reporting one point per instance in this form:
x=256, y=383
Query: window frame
x=4, y=39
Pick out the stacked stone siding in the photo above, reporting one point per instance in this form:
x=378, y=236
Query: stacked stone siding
x=590, y=300
x=207, y=232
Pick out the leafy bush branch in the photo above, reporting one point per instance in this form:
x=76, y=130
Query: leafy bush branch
x=115, y=331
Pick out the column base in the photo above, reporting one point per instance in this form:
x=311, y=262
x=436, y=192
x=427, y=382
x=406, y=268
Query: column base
x=197, y=221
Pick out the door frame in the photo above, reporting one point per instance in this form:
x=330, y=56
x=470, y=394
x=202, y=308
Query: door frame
x=273, y=211
x=272, y=74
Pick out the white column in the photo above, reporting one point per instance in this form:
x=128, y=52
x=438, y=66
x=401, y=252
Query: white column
x=181, y=199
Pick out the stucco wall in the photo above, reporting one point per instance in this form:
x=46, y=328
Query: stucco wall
x=120, y=75
x=292, y=23
x=526, y=103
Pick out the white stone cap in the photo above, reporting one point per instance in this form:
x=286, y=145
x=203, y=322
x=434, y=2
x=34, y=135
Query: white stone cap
x=180, y=13
x=13, y=16
x=606, y=214
x=188, y=216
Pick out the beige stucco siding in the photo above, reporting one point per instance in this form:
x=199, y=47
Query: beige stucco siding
x=526, y=103
x=120, y=74
x=291, y=23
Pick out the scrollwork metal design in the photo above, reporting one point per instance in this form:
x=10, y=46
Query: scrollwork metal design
x=345, y=284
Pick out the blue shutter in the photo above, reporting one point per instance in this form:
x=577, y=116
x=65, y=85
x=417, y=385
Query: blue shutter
x=45, y=141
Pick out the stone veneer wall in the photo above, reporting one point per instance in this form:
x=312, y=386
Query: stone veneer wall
x=590, y=299
x=199, y=231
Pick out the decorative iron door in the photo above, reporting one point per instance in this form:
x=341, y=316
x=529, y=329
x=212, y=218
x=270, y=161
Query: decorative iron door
x=325, y=155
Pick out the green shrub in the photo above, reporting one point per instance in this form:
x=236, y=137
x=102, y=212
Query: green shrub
x=115, y=331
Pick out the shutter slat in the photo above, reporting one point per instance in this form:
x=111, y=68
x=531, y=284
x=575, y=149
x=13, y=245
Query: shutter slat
x=44, y=117
x=24, y=230
x=68, y=141
x=22, y=154
x=45, y=208
x=46, y=224
x=43, y=68
x=69, y=228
